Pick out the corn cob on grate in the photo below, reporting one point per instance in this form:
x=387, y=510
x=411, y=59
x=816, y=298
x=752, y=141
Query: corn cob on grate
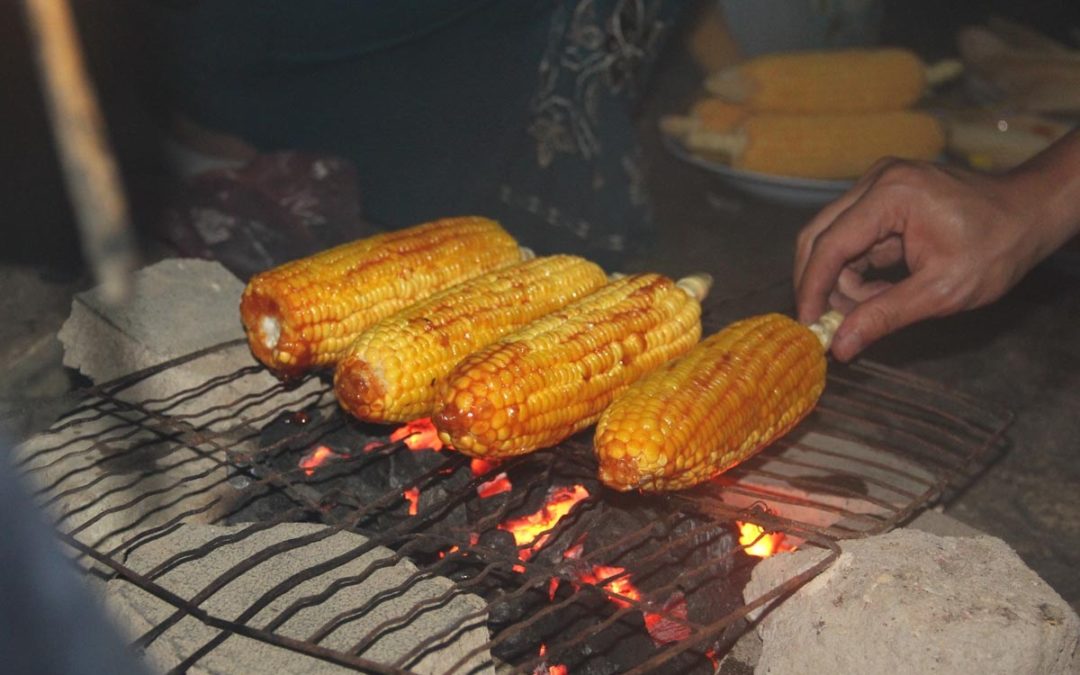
x=304, y=313
x=536, y=387
x=390, y=373
x=737, y=391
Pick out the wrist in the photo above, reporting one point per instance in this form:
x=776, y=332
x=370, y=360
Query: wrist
x=1045, y=193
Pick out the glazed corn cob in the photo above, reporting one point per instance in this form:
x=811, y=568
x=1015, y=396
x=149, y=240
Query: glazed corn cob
x=390, y=373
x=822, y=146
x=537, y=386
x=304, y=313
x=843, y=81
x=697, y=416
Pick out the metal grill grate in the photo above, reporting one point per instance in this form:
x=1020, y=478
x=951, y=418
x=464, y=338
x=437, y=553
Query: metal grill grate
x=134, y=468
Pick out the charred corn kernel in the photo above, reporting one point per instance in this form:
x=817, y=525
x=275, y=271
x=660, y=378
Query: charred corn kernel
x=823, y=146
x=304, y=313
x=390, y=373
x=537, y=386
x=697, y=416
x=842, y=81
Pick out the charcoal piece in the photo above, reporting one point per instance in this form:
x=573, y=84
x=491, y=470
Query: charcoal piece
x=290, y=432
x=443, y=502
x=500, y=541
x=408, y=467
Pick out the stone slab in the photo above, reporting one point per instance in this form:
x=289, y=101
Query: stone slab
x=913, y=602
x=177, y=308
x=390, y=582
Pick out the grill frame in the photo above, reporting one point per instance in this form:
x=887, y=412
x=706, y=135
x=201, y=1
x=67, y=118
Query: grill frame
x=953, y=438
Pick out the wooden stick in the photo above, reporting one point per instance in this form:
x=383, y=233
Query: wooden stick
x=90, y=170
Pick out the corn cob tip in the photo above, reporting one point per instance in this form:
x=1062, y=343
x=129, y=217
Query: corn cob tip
x=697, y=286
x=678, y=126
x=944, y=71
x=826, y=326
x=359, y=389
x=621, y=474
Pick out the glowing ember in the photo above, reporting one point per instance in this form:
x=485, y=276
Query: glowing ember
x=372, y=445
x=412, y=495
x=482, y=466
x=496, y=486
x=418, y=435
x=531, y=530
x=574, y=552
x=553, y=587
x=756, y=542
x=619, y=586
x=663, y=628
x=316, y=458
x=544, y=669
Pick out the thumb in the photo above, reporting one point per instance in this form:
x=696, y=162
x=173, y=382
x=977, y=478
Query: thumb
x=903, y=304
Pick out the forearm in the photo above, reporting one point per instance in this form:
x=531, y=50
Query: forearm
x=1047, y=187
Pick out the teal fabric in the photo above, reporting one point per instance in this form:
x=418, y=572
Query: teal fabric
x=517, y=109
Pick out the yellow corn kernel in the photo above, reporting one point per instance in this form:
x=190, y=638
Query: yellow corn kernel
x=699, y=415
x=841, y=81
x=823, y=146
x=715, y=114
x=390, y=373
x=541, y=384
x=303, y=314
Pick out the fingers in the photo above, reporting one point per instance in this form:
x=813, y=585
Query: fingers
x=853, y=235
x=891, y=309
x=820, y=222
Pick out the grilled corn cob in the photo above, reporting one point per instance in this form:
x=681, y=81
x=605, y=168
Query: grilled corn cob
x=697, y=416
x=822, y=146
x=537, y=386
x=390, y=373
x=304, y=313
x=842, y=81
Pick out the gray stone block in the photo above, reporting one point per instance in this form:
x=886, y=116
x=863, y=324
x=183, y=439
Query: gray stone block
x=913, y=602
x=448, y=610
x=178, y=307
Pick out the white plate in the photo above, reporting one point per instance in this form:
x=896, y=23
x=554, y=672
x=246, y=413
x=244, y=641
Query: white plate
x=783, y=189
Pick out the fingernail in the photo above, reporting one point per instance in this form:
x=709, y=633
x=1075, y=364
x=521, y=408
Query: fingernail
x=847, y=345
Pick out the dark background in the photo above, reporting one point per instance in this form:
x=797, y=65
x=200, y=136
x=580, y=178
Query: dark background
x=38, y=226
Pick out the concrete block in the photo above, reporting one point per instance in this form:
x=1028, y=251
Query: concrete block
x=913, y=602
x=447, y=610
x=178, y=307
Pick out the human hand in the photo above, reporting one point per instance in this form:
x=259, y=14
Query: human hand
x=965, y=239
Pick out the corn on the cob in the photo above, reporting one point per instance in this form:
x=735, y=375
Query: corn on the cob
x=390, y=373
x=823, y=146
x=708, y=114
x=697, y=416
x=304, y=313
x=843, y=81
x=537, y=386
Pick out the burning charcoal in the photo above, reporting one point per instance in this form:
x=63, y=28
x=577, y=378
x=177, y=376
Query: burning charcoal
x=291, y=431
x=500, y=541
x=443, y=502
x=407, y=466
